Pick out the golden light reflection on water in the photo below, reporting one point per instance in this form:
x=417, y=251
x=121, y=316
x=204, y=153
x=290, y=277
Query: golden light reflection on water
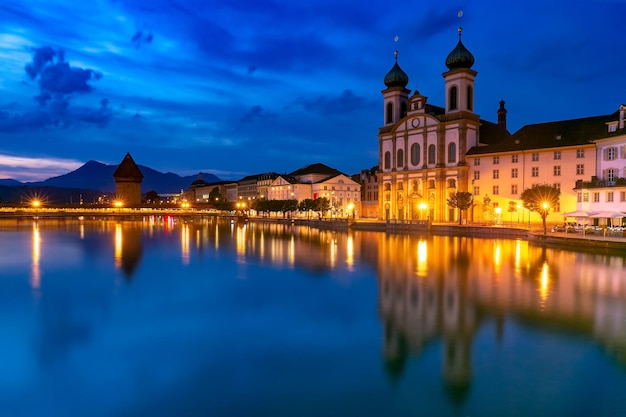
x=184, y=243
x=422, y=258
x=35, y=278
x=544, y=284
x=118, y=246
x=350, y=253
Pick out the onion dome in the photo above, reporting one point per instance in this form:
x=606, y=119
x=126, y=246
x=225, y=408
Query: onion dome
x=396, y=77
x=460, y=57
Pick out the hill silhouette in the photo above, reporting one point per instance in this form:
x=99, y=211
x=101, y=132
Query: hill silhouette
x=90, y=181
x=95, y=175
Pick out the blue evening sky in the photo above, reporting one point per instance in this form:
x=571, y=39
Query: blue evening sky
x=238, y=87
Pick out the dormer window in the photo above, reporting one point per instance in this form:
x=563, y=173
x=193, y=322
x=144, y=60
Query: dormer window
x=612, y=126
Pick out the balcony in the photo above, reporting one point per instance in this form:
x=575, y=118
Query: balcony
x=598, y=183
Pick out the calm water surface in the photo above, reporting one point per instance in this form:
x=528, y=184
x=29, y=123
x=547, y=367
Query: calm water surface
x=162, y=317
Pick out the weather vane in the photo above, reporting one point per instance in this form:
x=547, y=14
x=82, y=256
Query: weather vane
x=395, y=39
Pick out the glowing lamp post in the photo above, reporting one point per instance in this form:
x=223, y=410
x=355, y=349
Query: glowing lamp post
x=544, y=214
x=422, y=207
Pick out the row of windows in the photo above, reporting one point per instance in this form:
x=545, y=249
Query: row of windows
x=583, y=197
x=416, y=155
x=580, y=153
x=611, y=154
x=495, y=190
x=556, y=171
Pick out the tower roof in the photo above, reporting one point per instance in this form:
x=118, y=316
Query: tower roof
x=460, y=56
x=128, y=170
x=396, y=77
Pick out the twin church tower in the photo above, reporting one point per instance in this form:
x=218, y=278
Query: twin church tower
x=422, y=147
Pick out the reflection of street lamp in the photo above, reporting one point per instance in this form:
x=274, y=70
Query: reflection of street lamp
x=518, y=207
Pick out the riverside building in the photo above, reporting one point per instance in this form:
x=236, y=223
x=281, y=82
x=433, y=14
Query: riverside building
x=427, y=153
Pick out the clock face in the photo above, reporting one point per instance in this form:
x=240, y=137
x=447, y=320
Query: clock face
x=415, y=122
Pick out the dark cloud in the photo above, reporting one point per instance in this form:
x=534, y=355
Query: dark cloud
x=255, y=112
x=140, y=38
x=344, y=103
x=58, y=81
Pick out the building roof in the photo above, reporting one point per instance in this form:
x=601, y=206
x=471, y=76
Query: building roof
x=549, y=135
x=128, y=170
x=317, y=168
x=460, y=57
x=396, y=77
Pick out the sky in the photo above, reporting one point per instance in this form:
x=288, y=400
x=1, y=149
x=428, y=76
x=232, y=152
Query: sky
x=241, y=87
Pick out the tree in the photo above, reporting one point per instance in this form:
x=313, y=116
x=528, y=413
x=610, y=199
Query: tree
x=152, y=197
x=461, y=200
x=322, y=205
x=542, y=199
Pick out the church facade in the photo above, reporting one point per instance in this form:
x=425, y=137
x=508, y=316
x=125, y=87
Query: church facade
x=422, y=148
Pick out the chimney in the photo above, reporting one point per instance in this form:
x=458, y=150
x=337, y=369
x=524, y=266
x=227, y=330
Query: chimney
x=502, y=115
x=622, y=110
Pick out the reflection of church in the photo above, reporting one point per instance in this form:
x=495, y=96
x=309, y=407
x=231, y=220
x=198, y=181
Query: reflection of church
x=424, y=300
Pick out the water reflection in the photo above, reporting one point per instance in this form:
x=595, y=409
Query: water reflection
x=341, y=302
x=469, y=282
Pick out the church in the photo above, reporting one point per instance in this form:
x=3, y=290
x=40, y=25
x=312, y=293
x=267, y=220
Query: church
x=427, y=153
x=422, y=147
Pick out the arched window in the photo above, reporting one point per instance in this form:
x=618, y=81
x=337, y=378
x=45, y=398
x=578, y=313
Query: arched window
x=389, y=113
x=470, y=97
x=452, y=100
x=451, y=183
x=403, y=109
x=415, y=154
x=387, y=160
x=400, y=161
x=431, y=154
x=452, y=152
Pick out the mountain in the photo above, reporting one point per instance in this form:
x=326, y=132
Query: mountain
x=10, y=183
x=98, y=176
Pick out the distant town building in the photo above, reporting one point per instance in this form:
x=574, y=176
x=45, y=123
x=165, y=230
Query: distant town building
x=369, y=191
x=128, y=178
x=315, y=181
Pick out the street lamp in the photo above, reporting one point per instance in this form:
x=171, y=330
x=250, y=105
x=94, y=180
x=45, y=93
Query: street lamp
x=422, y=207
x=545, y=206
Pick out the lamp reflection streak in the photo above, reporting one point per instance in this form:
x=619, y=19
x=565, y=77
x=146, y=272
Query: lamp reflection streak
x=35, y=281
x=118, y=245
x=184, y=243
x=422, y=258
